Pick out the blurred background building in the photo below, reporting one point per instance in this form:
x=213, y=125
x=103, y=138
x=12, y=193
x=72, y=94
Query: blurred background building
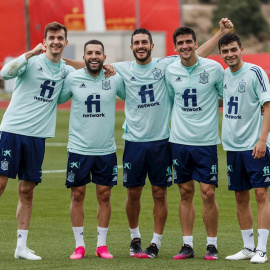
x=112, y=22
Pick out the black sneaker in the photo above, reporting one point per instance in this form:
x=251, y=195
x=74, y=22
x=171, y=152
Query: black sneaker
x=185, y=253
x=135, y=248
x=150, y=252
x=211, y=253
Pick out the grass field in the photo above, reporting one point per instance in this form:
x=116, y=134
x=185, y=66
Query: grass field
x=51, y=235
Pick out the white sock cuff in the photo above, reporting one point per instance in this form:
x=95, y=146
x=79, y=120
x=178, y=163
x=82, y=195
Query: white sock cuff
x=100, y=229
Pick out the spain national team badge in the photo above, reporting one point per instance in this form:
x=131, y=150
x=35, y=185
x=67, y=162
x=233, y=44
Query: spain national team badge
x=64, y=73
x=242, y=87
x=4, y=165
x=204, y=77
x=157, y=74
x=71, y=177
x=106, y=84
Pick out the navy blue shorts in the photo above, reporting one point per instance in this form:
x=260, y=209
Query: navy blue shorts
x=195, y=163
x=103, y=169
x=246, y=172
x=153, y=158
x=21, y=155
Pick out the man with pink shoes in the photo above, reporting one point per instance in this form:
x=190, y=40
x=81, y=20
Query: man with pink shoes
x=91, y=145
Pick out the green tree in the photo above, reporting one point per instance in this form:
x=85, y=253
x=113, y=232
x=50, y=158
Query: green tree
x=245, y=15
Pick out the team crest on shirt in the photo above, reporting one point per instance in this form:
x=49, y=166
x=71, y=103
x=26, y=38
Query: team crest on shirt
x=4, y=165
x=157, y=74
x=71, y=177
x=64, y=73
x=242, y=87
x=106, y=84
x=204, y=78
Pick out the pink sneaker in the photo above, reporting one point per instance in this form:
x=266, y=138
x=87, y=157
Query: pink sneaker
x=78, y=253
x=103, y=253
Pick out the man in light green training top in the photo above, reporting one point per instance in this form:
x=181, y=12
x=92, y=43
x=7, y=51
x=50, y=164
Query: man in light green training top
x=91, y=145
x=29, y=119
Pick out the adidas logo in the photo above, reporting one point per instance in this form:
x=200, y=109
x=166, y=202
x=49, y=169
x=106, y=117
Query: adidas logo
x=213, y=178
x=267, y=180
x=19, y=236
x=40, y=69
x=115, y=179
x=82, y=85
x=178, y=79
x=81, y=233
x=225, y=86
x=133, y=79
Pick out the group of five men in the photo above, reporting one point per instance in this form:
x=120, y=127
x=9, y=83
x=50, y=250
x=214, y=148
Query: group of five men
x=155, y=90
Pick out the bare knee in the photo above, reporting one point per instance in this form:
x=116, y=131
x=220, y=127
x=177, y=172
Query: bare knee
x=134, y=194
x=208, y=195
x=242, y=197
x=3, y=183
x=261, y=195
x=186, y=192
x=26, y=190
x=77, y=195
x=159, y=193
x=104, y=195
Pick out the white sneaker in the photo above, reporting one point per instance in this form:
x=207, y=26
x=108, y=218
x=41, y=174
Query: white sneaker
x=244, y=254
x=259, y=257
x=25, y=253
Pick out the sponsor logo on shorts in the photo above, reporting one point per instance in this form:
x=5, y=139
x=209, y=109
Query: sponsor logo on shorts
x=6, y=153
x=71, y=177
x=4, y=165
x=115, y=170
x=127, y=165
x=175, y=162
x=74, y=165
x=169, y=171
x=213, y=169
x=267, y=180
x=266, y=171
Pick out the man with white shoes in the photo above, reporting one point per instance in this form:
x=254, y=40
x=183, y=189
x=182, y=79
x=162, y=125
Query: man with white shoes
x=245, y=137
x=28, y=120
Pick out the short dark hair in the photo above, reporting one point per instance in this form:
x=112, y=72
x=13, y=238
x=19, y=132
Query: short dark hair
x=94, y=41
x=228, y=39
x=55, y=26
x=184, y=30
x=141, y=31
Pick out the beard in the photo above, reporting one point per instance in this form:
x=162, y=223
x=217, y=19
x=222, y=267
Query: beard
x=142, y=59
x=94, y=70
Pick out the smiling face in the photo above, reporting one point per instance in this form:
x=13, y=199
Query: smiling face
x=142, y=48
x=232, y=55
x=55, y=42
x=94, y=58
x=186, y=47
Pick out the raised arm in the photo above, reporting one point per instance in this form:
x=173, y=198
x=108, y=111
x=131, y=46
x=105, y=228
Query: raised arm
x=225, y=26
x=11, y=69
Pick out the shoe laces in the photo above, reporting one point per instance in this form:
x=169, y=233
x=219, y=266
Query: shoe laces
x=103, y=249
x=212, y=249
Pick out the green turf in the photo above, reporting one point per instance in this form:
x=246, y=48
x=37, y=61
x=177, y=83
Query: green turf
x=51, y=236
